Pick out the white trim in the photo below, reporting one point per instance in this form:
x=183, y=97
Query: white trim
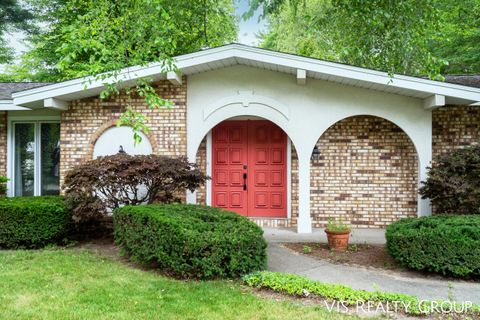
x=434, y=101
x=8, y=105
x=54, y=103
x=246, y=99
x=209, y=150
x=37, y=120
x=174, y=77
x=289, y=178
x=236, y=52
x=301, y=77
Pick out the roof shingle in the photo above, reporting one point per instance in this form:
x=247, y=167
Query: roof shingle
x=7, y=88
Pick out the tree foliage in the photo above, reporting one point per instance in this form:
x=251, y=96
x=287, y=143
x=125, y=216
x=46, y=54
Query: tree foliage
x=88, y=37
x=388, y=35
x=459, y=39
x=12, y=17
x=100, y=38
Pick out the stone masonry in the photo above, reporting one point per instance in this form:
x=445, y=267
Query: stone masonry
x=455, y=127
x=366, y=174
x=87, y=119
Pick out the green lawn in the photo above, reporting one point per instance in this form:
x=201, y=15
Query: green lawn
x=78, y=284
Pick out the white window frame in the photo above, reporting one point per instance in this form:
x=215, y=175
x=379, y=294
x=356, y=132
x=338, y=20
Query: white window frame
x=37, y=121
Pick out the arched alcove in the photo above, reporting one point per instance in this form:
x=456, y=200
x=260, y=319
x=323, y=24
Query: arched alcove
x=366, y=173
x=204, y=158
x=110, y=141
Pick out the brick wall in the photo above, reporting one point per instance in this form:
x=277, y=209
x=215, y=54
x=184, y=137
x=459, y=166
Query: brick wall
x=455, y=127
x=202, y=165
x=87, y=119
x=366, y=174
x=3, y=143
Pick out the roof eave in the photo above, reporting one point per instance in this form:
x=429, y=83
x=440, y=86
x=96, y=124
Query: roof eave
x=66, y=90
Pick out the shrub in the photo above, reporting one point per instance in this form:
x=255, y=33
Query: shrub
x=453, y=182
x=101, y=185
x=32, y=222
x=190, y=240
x=3, y=185
x=449, y=245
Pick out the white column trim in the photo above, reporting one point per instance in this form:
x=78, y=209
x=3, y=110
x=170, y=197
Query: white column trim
x=304, y=223
x=289, y=178
x=209, y=148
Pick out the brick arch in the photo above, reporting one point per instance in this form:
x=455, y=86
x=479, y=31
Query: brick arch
x=367, y=173
x=104, y=127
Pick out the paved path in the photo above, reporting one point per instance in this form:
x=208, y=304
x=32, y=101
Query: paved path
x=432, y=288
x=358, y=236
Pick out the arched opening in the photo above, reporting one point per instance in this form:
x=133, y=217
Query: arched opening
x=116, y=139
x=270, y=184
x=365, y=173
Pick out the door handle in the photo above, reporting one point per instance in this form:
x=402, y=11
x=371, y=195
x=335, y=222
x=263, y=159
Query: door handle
x=244, y=181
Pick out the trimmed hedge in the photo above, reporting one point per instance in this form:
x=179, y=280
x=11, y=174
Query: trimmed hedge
x=32, y=222
x=449, y=245
x=190, y=241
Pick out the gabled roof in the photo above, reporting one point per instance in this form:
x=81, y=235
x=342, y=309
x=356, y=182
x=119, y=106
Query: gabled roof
x=433, y=92
x=471, y=80
x=7, y=88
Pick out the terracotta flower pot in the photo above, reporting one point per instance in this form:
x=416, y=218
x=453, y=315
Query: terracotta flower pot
x=338, y=240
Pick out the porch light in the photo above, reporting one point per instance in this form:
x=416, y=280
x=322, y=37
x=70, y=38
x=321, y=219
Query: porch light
x=315, y=153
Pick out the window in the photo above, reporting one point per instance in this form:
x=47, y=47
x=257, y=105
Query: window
x=36, y=158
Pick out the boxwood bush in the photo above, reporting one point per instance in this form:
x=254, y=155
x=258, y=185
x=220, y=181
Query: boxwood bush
x=190, y=241
x=449, y=245
x=32, y=222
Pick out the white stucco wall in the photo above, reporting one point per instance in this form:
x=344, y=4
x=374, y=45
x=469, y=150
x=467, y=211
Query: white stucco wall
x=304, y=112
x=110, y=141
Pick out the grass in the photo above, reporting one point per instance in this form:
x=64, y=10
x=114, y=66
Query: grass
x=79, y=284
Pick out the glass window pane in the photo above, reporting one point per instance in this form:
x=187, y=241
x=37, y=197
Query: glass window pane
x=50, y=158
x=24, y=159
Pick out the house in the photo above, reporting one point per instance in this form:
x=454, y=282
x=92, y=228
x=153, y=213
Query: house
x=289, y=141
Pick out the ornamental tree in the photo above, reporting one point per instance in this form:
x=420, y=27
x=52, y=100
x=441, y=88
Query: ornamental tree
x=453, y=182
x=96, y=187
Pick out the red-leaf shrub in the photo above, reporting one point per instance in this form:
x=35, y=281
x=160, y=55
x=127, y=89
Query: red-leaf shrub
x=453, y=182
x=96, y=187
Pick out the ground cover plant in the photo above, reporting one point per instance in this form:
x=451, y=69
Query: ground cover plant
x=32, y=222
x=300, y=286
x=79, y=284
x=449, y=245
x=190, y=240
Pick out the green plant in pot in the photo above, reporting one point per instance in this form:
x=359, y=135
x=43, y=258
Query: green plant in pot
x=338, y=234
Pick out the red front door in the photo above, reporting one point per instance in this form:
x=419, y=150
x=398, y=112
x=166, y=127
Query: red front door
x=250, y=168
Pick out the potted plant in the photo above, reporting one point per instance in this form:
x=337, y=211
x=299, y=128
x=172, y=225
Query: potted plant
x=338, y=234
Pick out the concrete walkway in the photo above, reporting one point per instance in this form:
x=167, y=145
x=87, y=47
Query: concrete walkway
x=431, y=288
x=358, y=236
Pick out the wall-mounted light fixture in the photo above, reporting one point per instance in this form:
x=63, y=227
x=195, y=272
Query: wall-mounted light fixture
x=315, y=153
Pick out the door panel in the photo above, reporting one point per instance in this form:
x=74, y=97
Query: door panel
x=230, y=141
x=267, y=148
x=249, y=168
